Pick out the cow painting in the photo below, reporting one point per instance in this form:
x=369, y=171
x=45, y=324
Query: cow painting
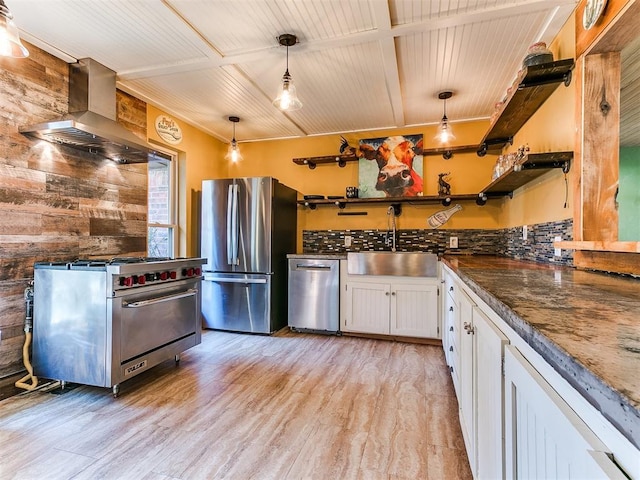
x=391, y=166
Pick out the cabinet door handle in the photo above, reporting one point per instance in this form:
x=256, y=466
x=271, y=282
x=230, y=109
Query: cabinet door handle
x=451, y=328
x=451, y=288
x=393, y=293
x=451, y=309
x=386, y=293
x=451, y=349
x=451, y=369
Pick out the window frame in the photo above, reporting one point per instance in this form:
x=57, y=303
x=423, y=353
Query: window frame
x=172, y=225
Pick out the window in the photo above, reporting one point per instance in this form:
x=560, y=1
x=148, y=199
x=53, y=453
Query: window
x=162, y=226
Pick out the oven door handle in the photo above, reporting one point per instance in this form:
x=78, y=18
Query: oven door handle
x=166, y=298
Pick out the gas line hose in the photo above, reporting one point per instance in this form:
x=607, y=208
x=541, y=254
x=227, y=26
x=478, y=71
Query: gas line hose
x=28, y=326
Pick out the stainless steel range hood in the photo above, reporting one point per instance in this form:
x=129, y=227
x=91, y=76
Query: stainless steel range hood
x=91, y=122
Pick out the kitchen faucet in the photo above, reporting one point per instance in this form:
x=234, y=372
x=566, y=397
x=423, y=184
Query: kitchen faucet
x=391, y=227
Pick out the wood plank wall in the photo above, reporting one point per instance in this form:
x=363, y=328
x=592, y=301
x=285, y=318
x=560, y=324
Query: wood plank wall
x=57, y=203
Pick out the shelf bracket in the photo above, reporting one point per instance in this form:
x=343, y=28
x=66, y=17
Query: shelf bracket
x=484, y=147
x=397, y=209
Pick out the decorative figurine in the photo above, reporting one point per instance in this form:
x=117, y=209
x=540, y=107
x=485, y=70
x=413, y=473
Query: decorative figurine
x=440, y=218
x=444, y=188
x=345, y=148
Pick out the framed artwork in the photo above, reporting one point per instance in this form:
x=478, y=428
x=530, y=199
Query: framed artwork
x=390, y=166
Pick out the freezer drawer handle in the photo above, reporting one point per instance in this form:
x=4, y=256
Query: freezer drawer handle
x=235, y=280
x=313, y=267
x=152, y=301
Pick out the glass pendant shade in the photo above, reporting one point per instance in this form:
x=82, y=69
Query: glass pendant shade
x=233, y=152
x=287, y=99
x=444, y=135
x=10, y=43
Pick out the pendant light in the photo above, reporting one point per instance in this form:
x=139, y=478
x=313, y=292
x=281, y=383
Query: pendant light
x=287, y=100
x=445, y=135
x=233, y=153
x=10, y=44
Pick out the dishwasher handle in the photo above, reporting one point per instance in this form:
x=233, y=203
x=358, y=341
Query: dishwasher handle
x=301, y=266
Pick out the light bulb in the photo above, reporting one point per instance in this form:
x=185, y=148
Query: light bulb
x=234, y=154
x=285, y=98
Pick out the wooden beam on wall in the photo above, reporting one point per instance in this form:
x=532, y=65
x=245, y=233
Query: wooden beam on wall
x=600, y=145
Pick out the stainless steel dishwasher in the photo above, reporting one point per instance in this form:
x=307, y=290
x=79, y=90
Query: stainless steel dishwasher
x=314, y=293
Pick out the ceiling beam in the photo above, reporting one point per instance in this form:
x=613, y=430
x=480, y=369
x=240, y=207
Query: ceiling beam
x=380, y=34
x=382, y=17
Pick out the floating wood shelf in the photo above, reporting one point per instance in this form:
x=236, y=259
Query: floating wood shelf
x=535, y=85
x=396, y=202
x=534, y=165
x=312, y=162
x=447, y=152
x=599, y=246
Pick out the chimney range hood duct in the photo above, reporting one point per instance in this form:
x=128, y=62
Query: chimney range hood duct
x=91, y=123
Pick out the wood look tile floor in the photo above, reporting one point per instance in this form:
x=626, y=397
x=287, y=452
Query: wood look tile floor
x=290, y=406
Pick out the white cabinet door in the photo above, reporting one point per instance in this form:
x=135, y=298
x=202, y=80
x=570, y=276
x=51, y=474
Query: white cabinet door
x=414, y=310
x=367, y=307
x=488, y=347
x=545, y=436
x=466, y=377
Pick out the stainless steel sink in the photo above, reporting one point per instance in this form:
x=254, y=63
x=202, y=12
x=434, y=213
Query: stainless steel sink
x=409, y=264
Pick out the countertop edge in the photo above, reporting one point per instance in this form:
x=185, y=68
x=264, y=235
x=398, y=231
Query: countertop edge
x=610, y=402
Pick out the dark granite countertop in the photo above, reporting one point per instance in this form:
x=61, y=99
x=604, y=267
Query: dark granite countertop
x=585, y=324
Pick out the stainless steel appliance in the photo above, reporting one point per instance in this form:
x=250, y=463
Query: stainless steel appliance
x=100, y=322
x=248, y=227
x=91, y=123
x=314, y=293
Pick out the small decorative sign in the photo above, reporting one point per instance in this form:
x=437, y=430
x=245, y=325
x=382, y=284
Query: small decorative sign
x=168, y=129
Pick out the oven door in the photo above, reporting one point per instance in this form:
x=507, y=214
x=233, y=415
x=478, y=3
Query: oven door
x=153, y=318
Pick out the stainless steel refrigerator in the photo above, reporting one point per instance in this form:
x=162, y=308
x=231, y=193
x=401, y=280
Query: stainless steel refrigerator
x=248, y=227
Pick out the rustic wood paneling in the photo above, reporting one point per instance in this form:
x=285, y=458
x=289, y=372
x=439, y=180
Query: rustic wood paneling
x=57, y=203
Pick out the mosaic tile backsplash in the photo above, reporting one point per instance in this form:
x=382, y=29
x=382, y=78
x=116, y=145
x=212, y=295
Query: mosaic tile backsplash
x=506, y=242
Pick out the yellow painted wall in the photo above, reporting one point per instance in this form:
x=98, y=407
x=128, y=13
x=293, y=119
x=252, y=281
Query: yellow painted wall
x=550, y=129
x=200, y=156
x=469, y=173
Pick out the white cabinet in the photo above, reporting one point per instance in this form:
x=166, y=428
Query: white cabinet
x=367, y=307
x=414, y=310
x=489, y=345
x=514, y=422
x=480, y=396
x=450, y=328
x=545, y=437
x=403, y=306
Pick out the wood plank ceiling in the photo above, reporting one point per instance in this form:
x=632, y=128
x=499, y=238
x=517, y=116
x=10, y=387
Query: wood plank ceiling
x=359, y=64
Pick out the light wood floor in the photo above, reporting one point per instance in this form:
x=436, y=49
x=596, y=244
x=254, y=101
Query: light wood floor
x=290, y=406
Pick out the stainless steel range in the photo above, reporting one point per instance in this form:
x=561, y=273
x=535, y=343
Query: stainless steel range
x=101, y=322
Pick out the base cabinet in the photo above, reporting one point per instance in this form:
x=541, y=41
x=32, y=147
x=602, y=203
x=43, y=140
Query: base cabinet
x=481, y=389
x=545, y=437
x=391, y=306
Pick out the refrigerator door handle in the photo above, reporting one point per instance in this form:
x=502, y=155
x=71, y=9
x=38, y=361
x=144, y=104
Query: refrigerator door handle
x=230, y=225
x=234, y=226
x=208, y=278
